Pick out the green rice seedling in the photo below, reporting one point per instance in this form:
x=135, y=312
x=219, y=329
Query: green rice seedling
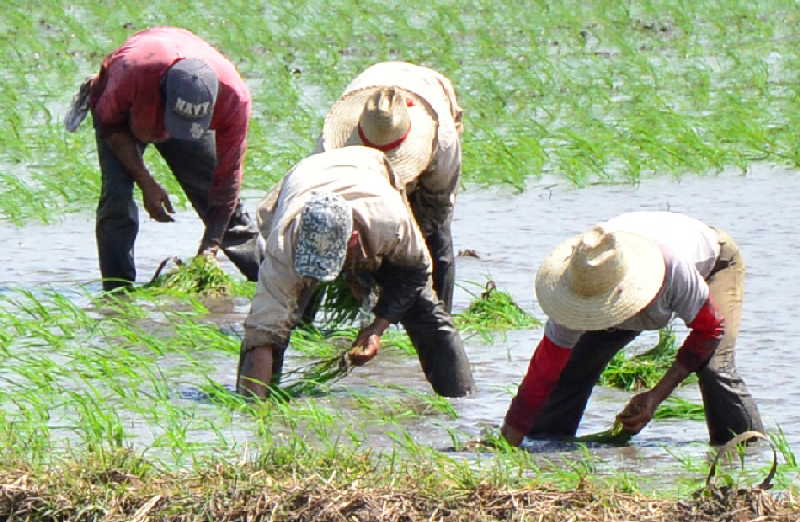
x=201, y=276
x=396, y=339
x=666, y=90
x=678, y=408
x=642, y=370
x=336, y=304
x=616, y=436
x=493, y=310
x=309, y=379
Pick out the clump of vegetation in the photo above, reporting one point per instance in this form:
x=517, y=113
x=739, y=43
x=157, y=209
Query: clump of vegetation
x=680, y=408
x=332, y=365
x=201, y=275
x=337, y=305
x=494, y=310
x=643, y=370
x=616, y=435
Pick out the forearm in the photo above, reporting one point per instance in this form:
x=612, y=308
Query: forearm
x=223, y=197
x=671, y=379
x=379, y=325
x=126, y=149
x=216, y=223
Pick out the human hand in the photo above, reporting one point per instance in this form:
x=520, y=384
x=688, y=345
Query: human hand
x=638, y=412
x=364, y=350
x=156, y=202
x=208, y=249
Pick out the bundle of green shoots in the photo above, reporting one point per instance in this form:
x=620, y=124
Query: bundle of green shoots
x=201, y=275
x=334, y=363
x=494, y=310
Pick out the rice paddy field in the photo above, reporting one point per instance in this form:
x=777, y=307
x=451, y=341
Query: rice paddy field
x=120, y=407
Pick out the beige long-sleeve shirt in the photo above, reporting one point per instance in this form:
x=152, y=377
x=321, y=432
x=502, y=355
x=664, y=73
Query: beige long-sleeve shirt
x=381, y=215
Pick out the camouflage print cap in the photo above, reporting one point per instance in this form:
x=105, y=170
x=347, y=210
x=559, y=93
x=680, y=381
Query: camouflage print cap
x=326, y=223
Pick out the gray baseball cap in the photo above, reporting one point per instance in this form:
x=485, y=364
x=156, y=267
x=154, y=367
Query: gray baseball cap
x=326, y=223
x=191, y=88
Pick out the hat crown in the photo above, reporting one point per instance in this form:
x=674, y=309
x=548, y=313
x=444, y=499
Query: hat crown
x=596, y=264
x=385, y=117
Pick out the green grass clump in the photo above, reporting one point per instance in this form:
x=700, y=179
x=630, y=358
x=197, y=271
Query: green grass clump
x=679, y=408
x=201, y=276
x=337, y=305
x=616, y=436
x=494, y=310
x=643, y=370
x=585, y=92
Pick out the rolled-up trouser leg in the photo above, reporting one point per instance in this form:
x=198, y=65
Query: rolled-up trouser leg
x=117, y=220
x=564, y=408
x=433, y=212
x=729, y=407
x=439, y=346
x=193, y=164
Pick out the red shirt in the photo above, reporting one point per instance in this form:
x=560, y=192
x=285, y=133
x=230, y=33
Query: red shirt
x=127, y=95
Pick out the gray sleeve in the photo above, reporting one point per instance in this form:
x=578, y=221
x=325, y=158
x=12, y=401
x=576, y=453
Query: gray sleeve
x=561, y=335
x=687, y=291
x=275, y=309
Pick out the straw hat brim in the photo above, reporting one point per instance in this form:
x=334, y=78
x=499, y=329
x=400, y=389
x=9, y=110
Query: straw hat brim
x=410, y=158
x=642, y=278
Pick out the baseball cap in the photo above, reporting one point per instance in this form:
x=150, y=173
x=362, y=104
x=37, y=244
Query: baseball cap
x=191, y=89
x=326, y=223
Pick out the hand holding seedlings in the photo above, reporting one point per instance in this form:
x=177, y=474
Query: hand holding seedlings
x=360, y=354
x=638, y=412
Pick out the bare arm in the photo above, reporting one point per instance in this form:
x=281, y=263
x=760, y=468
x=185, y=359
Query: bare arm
x=642, y=407
x=156, y=199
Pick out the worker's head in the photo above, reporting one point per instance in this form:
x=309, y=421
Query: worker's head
x=326, y=226
x=190, y=92
x=599, y=279
x=392, y=120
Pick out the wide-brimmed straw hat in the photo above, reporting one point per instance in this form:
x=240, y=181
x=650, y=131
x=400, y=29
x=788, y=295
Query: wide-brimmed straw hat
x=599, y=279
x=390, y=119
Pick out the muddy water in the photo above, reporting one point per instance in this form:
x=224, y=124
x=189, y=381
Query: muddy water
x=511, y=234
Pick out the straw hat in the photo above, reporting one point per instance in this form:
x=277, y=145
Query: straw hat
x=386, y=118
x=599, y=279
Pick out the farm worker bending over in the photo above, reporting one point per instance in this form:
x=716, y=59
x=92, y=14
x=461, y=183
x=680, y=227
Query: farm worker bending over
x=168, y=87
x=601, y=288
x=343, y=212
x=410, y=113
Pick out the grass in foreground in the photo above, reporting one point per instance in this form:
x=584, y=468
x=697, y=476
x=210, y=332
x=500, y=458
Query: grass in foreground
x=344, y=483
x=96, y=422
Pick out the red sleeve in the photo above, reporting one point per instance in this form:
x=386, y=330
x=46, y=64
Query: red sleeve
x=231, y=143
x=708, y=327
x=546, y=365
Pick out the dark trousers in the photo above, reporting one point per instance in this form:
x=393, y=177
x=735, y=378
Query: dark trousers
x=434, y=215
x=439, y=346
x=117, y=223
x=729, y=407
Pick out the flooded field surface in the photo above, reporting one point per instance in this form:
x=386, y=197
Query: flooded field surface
x=510, y=233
